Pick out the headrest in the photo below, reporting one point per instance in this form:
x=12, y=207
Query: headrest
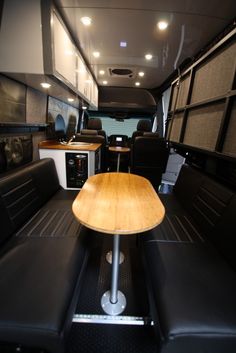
x=88, y=132
x=94, y=124
x=151, y=134
x=144, y=125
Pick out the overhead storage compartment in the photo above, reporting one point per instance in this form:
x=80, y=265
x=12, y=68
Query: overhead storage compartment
x=35, y=41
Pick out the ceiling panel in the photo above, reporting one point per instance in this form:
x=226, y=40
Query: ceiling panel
x=192, y=24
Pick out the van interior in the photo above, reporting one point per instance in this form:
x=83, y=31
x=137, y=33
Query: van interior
x=117, y=176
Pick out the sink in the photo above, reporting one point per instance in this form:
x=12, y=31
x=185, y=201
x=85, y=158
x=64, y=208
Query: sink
x=79, y=144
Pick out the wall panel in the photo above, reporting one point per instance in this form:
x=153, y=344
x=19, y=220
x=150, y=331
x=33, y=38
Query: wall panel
x=12, y=101
x=183, y=91
x=229, y=147
x=203, y=126
x=214, y=77
x=176, y=127
x=174, y=96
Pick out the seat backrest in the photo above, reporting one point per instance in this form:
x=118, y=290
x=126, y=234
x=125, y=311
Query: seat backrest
x=212, y=207
x=151, y=134
x=96, y=124
x=149, y=158
x=151, y=152
x=223, y=234
x=143, y=126
x=94, y=138
x=71, y=127
x=89, y=132
x=23, y=192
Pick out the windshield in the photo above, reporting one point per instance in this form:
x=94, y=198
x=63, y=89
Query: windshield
x=114, y=126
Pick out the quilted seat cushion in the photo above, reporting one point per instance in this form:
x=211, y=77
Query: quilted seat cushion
x=38, y=280
x=194, y=293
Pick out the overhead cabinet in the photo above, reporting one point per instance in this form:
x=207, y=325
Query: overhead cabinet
x=34, y=42
x=64, y=52
x=68, y=63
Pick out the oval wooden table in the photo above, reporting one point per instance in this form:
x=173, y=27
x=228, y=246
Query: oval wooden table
x=117, y=204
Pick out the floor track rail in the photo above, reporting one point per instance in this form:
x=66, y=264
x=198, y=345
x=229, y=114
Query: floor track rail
x=108, y=319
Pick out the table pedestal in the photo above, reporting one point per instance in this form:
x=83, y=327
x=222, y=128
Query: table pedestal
x=119, y=150
x=118, y=162
x=113, y=301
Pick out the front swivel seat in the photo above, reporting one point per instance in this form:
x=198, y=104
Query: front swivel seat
x=96, y=124
x=91, y=136
x=149, y=157
x=144, y=125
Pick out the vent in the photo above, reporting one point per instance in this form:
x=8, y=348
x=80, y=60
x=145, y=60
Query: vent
x=124, y=72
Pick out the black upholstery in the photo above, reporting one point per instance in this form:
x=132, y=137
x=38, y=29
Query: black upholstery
x=151, y=134
x=89, y=132
x=71, y=127
x=190, y=263
x=94, y=138
x=96, y=124
x=149, y=158
x=38, y=279
x=144, y=125
x=42, y=256
x=193, y=296
x=23, y=193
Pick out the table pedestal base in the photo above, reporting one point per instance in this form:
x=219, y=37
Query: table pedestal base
x=116, y=308
x=109, y=257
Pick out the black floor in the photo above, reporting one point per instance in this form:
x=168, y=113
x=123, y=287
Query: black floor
x=96, y=338
x=98, y=276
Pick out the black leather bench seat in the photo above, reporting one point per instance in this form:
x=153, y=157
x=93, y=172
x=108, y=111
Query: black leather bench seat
x=51, y=223
x=196, y=284
x=42, y=257
x=38, y=279
x=191, y=267
x=176, y=228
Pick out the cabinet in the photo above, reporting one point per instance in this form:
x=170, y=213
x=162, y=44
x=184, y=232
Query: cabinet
x=37, y=46
x=69, y=64
x=74, y=164
x=64, y=52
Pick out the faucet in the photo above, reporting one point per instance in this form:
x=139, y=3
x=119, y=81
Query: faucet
x=71, y=139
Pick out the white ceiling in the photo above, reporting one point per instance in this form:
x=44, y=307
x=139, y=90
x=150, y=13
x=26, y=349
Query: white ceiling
x=192, y=24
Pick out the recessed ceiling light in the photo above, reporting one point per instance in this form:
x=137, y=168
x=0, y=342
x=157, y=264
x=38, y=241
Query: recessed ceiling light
x=104, y=82
x=141, y=73
x=86, y=20
x=123, y=44
x=137, y=83
x=45, y=85
x=101, y=72
x=84, y=107
x=96, y=54
x=162, y=25
x=148, y=56
x=70, y=99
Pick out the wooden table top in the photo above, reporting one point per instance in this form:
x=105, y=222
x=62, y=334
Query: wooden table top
x=119, y=149
x=54, y=145
x=118, y=203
